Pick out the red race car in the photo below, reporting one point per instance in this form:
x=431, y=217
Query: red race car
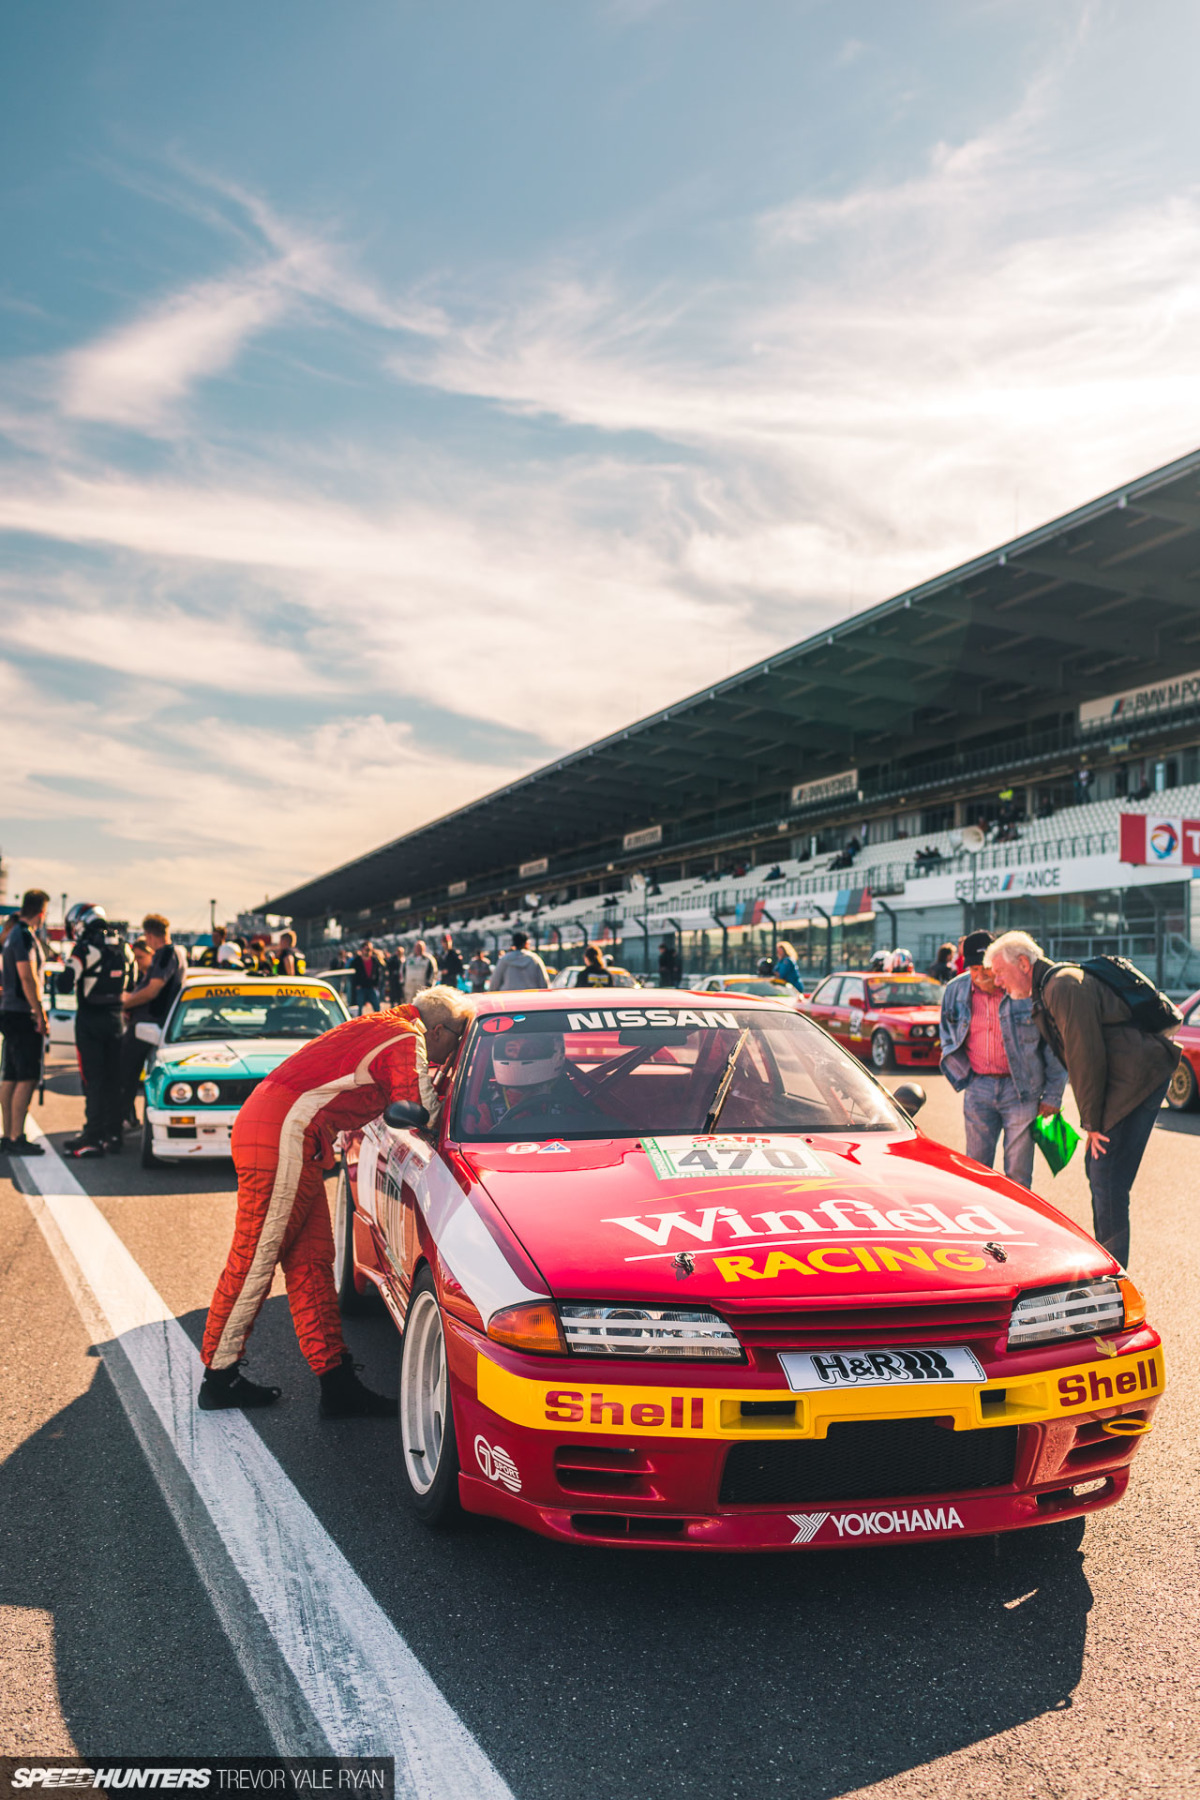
x=681, y=1274
x=1184, y=1091
x=892, y=1019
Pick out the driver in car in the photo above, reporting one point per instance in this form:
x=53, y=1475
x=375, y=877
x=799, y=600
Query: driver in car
x=282, y=1148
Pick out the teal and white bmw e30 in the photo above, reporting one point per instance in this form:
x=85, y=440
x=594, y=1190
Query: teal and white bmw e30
x=225, y=1032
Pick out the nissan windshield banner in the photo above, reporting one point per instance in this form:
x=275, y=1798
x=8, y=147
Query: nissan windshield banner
x=1170, y=843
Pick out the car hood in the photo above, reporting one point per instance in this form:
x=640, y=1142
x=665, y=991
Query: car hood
x=911, y=1015
x=877, y=1218
x=216, y=1057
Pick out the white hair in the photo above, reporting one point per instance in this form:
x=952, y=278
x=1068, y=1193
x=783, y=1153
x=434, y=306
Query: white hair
x=1010, y=945
x=444, y=1006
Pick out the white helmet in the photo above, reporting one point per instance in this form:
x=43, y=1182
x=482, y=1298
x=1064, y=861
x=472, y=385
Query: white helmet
x=519, y=1062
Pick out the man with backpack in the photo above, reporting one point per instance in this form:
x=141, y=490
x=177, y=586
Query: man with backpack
x=1106, y=1022
x=101, y=969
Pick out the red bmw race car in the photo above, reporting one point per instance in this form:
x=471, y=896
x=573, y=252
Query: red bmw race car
x=681, y=1274
x=893, y=1019
x=1184, y=1092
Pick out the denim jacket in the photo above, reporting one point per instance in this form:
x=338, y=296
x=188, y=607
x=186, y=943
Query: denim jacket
x=1037, y=1073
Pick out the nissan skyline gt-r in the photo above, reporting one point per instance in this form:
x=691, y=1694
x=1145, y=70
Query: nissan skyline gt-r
x=890, y=1019
x=682, y=1274
x=223, y=1034
x=1183, y=1095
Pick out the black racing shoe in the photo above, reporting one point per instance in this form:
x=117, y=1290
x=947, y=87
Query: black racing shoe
x=343, y=1395
x=22, y=1146
x=83, y=1146
x=115, y=1146
x=224, y=1388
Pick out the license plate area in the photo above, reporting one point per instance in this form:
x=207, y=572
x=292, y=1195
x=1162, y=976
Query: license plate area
x=926, y=1367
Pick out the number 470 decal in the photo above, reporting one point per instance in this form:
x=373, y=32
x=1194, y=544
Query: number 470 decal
x=689, y=1158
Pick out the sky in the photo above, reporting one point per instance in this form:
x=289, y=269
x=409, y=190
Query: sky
x=395, y=396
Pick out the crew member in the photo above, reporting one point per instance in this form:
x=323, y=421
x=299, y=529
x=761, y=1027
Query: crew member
x=290, y=961
x=149, y=1004
x=595, y=971
x=282, y=1149
x=23, y=1022
x=101, y=969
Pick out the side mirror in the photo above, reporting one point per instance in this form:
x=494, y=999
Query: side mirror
x=148, y=1033
x=405, y=1115
x=911, y=1096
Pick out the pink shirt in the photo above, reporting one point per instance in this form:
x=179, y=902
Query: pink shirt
x=985, y=1046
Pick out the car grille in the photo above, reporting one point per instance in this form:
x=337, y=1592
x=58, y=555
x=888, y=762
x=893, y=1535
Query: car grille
x=860, y=1327
x=887, y=1459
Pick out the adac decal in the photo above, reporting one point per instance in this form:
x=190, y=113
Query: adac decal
x=726, y=1225
x=1109, y=1382
x=900, y=1521
x=264, y=992
x=850, y=1259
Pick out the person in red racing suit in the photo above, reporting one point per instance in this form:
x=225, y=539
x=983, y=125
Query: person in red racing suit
x=282, y=1148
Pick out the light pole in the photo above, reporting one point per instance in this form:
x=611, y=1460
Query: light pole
x=212, y=917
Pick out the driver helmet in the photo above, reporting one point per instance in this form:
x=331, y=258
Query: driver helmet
x=902, y=962
x=229, y=956
x=879, y=963
x=83, y=916
x=520, y=1064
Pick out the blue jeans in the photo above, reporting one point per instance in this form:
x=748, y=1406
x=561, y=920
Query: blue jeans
x=1111, y=1176
x=991, y=1104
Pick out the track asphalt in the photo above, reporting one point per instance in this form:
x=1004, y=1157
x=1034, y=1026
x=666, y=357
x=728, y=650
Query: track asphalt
x=951, y=1670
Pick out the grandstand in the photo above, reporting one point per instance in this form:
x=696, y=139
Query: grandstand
x=822, y=794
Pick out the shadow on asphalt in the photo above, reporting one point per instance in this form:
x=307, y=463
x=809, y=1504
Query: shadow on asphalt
x=1186, y=1122
x=684, y=1675
x=142, y=1663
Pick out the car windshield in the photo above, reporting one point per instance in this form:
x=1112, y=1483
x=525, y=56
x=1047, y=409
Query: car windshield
x=253, y=1012
x=905, y=990
x=756, y=984
x=629, y=1071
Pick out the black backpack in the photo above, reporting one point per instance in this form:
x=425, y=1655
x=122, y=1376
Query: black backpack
x=1149, y=1009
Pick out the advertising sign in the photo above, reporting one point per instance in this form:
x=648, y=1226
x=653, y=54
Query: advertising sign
x=1161, y=842
x=456, y=889
x=831, y=787
x=642, y=840
x=538, y=866
x=1137, y=703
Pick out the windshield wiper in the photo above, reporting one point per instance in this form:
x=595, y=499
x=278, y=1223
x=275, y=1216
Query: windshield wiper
x=719, y=1098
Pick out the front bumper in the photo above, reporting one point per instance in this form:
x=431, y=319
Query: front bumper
x=576, y=1455
x=203, y=1131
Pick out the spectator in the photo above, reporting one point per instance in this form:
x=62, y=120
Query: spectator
x=595, y=971
x=420, y=971
x=668, y=963
x=1119, y=1074
x=289, y=961
x=366, y=973
x=22, y=1021
x=786, y=966
x=101, y=970
x=943, y=969
x=148, y=1004
x=479, y=970
x=210, y=955
x=450, y=962
x=994, y=1056
x=518, y=968
x=395, y=976
x=258, y=959
x=338, y=959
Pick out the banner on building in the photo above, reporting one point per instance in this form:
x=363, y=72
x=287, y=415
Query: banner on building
x=831, y=787
x=1161, y=842
x=642, y=840
x=1143, y=702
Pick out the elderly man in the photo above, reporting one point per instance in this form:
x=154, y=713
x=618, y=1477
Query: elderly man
x=282, y=1150
x=995, y=1057
x=1119, y=1073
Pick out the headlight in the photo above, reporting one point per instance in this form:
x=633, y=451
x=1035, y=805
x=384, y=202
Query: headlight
x=1067, y=1312
x=653, y=1331
x=179, y=1091
x=208, y=1091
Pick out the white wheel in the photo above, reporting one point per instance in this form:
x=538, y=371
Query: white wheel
x=428, y=1452
x=350, y=1300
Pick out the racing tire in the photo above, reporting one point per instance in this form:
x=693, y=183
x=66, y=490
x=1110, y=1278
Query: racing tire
x=1183, y=1095
x=352, y=1303
x=883, y=1053
x=149, y=1160
x=428, y=1450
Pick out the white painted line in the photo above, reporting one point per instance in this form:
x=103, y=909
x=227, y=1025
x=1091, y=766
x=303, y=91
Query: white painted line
x=368, y=1693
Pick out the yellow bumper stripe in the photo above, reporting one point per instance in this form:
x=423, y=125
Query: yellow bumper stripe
x=568, y=1404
